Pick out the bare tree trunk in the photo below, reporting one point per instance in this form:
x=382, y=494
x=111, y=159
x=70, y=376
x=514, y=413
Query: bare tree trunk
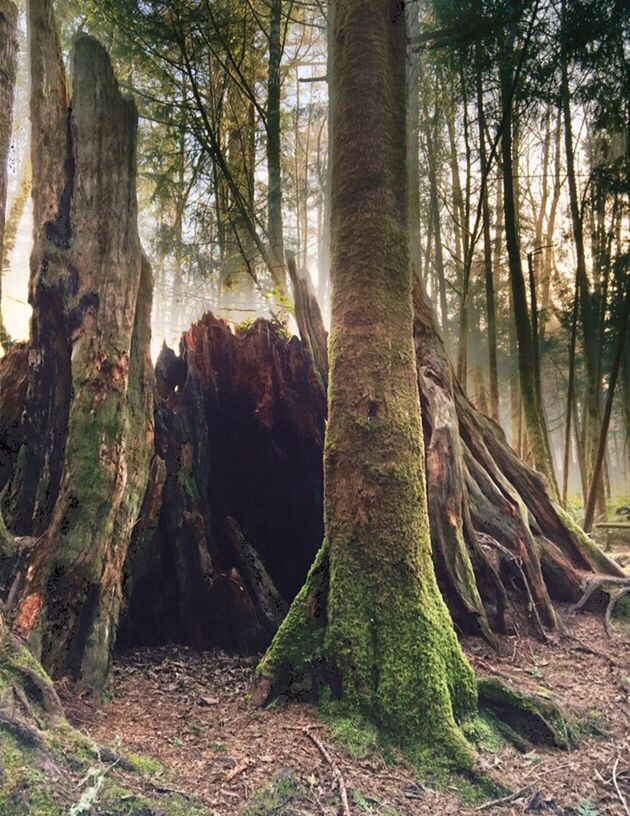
x=274, y=156
x=603, y=434
x=548, y=252
x=487, y=248
x=592, y=395
x=534, y=415
x=87, y=261
x=570, y=394
x=309, y=319
x=35, y=484
x=8, y=68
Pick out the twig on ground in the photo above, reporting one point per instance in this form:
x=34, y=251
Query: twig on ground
x=337, y=775
x=504, y=800
x=622, y=798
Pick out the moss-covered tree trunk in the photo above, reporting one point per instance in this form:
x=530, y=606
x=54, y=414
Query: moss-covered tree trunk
x=8, y=67
x=388, y=640
x=88, y=431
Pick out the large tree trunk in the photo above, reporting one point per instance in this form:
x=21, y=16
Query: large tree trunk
x=89, y=393
x=388, y=642
x=8, y=68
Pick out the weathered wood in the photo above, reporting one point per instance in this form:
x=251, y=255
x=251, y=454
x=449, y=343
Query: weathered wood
x=308, y=317
x=91, y=294
x=239, y=428
x=35, y=484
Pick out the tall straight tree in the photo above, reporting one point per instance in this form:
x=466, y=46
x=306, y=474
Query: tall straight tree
x=8, y=67
x=535, y=422
x=587, y=304
x=388, y=640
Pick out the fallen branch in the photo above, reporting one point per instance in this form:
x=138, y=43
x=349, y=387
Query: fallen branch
x=337, y=775
x=622, y=798
x=504, y=799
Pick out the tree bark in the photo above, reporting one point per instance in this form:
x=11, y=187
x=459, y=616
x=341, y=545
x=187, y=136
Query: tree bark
x=274, y=159
x=8, y=69
x=487, y=247
x=389, y=640
x=234, y=506
x=309, y=319
x=588, y=320
x=535, y=422
x=91, y=293
x=35, y=484
x=603, y=434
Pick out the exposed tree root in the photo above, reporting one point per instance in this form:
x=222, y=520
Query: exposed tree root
x=535, y=720
x=47, y=766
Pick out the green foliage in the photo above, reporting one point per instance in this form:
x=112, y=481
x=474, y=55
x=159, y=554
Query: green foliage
x=586, y=808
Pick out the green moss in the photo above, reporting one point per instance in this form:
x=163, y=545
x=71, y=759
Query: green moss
x=538, y=720
x=481, y=731
x=278, y=798
x=115, y=800
x=372, y=804
x=145, y=764
x=622, y=609
x=25, y=791
x=358, y=736
x=299, y=642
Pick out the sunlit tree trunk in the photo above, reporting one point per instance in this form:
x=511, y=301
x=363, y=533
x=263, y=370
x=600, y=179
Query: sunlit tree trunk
x=388, y=636
x=535, y=423
x=487, y=246
x=8, y=68
x=274, y=148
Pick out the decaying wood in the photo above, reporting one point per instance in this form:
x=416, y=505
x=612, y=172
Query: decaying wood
x=87, y=430
x=13, y=383
x=309, y=319
x=239, y=428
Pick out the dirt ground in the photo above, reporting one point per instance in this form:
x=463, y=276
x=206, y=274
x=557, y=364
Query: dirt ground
x=190, y=711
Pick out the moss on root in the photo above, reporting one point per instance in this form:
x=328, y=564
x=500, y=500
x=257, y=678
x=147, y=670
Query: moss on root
x=297, y=650
x=534, y=719
x=47, y=767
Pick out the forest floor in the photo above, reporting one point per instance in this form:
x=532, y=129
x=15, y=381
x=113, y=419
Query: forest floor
x=190, y=712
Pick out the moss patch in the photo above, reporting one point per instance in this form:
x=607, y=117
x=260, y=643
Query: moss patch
x=536, y=720
x=279, y=798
